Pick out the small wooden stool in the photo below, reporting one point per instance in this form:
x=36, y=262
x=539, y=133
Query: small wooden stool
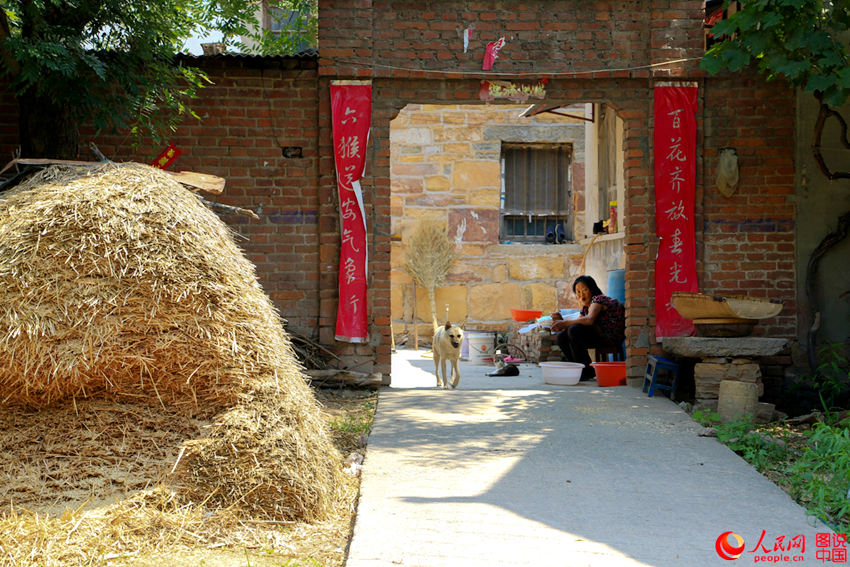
x=653, y=366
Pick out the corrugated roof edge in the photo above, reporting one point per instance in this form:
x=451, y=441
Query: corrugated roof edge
x=311, y=53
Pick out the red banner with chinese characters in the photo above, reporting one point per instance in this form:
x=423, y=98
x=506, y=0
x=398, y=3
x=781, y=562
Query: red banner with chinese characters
x=675, y=182
x=351, y=113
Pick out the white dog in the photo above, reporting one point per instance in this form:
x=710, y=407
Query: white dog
x=446, y=347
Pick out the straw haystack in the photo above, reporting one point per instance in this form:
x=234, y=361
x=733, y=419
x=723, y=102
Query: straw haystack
x=117, y=283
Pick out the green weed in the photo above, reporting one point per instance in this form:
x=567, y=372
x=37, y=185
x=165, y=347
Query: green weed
x=756, y=447
x=350, y=425
x=831, y=376
x=706, y=418
x=820, y=477
x=812, y=466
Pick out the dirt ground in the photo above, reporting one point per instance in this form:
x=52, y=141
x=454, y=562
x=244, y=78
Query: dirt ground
x=62, y=466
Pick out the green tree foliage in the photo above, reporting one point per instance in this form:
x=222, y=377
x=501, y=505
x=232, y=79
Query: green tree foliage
x=112, y=62
x=800, y=40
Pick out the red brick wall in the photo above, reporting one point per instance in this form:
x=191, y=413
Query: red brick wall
x=400, y=38
x=748, y=239
x=255, y=108
x=744, y=244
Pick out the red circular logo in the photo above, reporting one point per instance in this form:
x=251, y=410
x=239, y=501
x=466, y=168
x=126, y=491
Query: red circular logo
x=729, y=546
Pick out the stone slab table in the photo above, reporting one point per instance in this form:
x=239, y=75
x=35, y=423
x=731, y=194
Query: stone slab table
x=728, y=347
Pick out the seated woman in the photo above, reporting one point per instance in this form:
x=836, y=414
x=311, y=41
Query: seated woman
x=602, y=322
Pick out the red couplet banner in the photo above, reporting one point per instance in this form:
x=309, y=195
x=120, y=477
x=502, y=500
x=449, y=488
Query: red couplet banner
x=675, y=182
x=351, y=114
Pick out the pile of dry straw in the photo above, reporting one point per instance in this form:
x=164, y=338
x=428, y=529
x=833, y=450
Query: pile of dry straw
x=117, y=283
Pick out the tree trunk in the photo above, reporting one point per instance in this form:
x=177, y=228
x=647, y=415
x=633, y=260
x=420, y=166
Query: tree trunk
x=47, y=129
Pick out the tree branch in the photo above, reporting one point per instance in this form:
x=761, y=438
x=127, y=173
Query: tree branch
x=6, y=56
x=829, y=241
x=824, y=114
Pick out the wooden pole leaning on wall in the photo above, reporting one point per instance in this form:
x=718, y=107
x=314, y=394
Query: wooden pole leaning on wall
x=415, y=326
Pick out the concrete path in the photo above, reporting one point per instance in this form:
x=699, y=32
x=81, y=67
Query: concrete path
x=509, y=471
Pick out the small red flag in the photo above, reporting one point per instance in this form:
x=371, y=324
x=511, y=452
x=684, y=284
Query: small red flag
x=167, y=157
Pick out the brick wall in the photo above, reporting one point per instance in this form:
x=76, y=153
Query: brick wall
x=399, y=38
x=257, y=112
x=416, y=56
x=748, y=239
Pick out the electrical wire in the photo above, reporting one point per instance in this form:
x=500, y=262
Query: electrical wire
x=360, y=65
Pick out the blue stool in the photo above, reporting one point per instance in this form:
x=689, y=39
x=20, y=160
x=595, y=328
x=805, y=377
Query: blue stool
x=653, y=366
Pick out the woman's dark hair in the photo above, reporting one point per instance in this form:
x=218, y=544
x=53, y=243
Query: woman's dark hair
x=590, y=283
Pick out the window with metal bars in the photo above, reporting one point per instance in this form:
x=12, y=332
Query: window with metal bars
x=536, y=190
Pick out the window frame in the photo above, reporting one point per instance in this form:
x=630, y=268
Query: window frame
x=543, y=214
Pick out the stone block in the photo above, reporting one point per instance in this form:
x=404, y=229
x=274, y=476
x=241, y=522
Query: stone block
x=535, y=267
x=492, y=302
x=542, y=296
x=701, y=347
x=458, y=117
x=396, y=206
x=410, y=136
x=410, y=185
x=457, y=149
x=764, y=412
x=476, y=174
x=452, y=295
x=500, y=273
x=397, y=259
x=397, y=293
x=743, y=371
x=736, y=400
x=474, y=225
x=456, y=133
x=484, y=197
x=437, y=183
x=708, y=375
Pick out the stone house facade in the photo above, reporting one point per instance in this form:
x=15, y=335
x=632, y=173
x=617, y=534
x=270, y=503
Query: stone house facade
x=448, y=167
x=266, y=128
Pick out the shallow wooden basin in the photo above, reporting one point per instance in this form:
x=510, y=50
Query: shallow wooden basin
x=699, y=306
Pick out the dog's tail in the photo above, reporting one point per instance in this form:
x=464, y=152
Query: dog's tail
x=436, y=325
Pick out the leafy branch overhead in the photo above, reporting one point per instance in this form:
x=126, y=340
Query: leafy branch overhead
x=112, y=63
x=801, y=41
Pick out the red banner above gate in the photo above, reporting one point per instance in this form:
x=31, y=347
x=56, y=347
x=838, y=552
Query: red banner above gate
x=351, y=114
x=675, y=182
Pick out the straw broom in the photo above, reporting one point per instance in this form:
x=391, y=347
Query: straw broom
x=430, y=256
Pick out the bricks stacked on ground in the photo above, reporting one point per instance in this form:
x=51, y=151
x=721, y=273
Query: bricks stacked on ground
x=539, y=345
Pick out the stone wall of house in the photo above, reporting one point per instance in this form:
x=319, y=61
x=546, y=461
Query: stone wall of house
x=445, y=168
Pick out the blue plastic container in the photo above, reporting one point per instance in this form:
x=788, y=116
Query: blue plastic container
x=617, y=285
